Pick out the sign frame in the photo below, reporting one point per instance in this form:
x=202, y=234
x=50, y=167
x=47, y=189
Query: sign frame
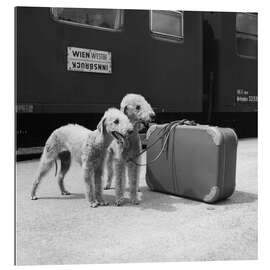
x=89, y=60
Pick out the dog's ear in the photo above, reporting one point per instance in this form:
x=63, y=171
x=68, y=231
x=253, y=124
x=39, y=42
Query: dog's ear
x=101, y=125
x=126, y=110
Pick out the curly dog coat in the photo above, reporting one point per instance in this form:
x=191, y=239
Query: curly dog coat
x=86, y=147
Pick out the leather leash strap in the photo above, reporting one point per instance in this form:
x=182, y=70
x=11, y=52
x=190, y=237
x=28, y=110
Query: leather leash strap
x=165, y=134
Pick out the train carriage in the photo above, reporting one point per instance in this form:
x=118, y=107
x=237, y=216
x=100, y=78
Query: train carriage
x=230, y=70
x=72, y=64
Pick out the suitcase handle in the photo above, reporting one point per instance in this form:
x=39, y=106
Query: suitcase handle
x=167, y=130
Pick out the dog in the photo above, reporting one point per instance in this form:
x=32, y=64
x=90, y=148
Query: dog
x=125, y=157
x=86, y=147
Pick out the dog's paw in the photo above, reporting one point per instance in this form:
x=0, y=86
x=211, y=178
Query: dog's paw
x=134, y=201
x=119, y=202
x=94, y=204
x=65, y=193
x=103, y=203
x=34, y=198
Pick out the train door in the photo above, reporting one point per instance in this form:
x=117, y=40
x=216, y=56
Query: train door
x=231, y=58
x=175, y=61
x=234, y=60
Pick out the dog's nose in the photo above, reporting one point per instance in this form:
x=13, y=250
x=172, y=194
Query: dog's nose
x=152, y=117
x=130, y=131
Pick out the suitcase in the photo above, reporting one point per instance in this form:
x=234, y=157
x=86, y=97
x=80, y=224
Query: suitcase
x=193, y=161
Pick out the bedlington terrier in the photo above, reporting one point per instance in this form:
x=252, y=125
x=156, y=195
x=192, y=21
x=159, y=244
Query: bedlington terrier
x=123, y=158
x=86, y=147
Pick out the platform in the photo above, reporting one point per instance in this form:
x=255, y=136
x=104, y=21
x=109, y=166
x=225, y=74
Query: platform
x=64, y=230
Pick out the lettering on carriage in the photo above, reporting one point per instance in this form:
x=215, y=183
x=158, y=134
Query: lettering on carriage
x=88, y=60
x=243, y=96
x=89, y=66
x=89, y=55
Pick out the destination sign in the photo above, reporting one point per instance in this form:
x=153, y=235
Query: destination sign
x=88, y=60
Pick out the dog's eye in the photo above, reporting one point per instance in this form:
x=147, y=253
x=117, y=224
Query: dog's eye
x=116, y=121
x=138, y=107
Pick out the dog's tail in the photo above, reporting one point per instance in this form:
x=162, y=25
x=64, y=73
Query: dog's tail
x=56, y=168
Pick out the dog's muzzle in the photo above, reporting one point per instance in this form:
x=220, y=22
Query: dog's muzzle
x=118, y=136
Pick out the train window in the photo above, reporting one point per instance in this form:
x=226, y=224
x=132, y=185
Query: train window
x=247, y=34
x=167, y=23
x=246, y=23
x=104, y=19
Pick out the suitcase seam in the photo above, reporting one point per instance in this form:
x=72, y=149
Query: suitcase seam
x=174, y=173
x=224, y=164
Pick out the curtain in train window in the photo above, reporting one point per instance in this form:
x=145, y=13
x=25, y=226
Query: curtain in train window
x=101, y=18
x=247, y=34
x=167, y=23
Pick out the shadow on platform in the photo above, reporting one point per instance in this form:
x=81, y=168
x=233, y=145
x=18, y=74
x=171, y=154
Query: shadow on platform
x=240, y=197
x=164, y=202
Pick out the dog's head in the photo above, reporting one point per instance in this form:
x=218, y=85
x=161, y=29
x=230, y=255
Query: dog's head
x=137, y=109
x=115, y=123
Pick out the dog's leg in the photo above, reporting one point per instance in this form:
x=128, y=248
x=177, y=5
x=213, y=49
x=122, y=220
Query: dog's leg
x=44, y=167
x=65, y=158
x=89, y=180
x=98, y=187
x=109, y=165
x=119, y=182
x=133, y=176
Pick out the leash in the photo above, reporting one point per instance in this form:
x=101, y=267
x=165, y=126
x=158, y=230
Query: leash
x=56, y=168
x=166, y=132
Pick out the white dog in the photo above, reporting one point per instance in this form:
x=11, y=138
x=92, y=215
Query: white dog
x=124, y=157
x=86, y=147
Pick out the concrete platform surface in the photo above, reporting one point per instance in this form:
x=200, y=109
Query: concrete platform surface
x=64, y=230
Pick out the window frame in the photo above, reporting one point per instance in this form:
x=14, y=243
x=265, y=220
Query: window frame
x=246, y=35
x=83, y=25
x=164, y=36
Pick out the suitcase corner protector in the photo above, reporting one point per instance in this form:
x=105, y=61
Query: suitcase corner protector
x=213, y=195
x=216, y=135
